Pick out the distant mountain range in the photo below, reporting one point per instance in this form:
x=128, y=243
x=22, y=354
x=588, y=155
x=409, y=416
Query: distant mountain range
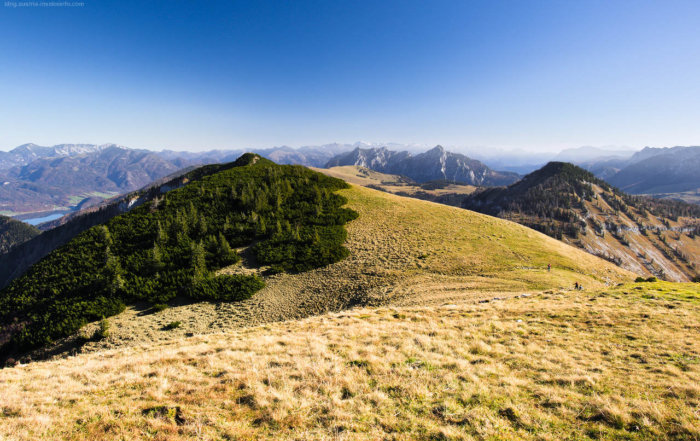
x=435, y=164
x=28, y=153
x=670, y=172
x=641, y=234
x=66, y=177
x=37, y=180
x=665, y=170
x=310, y=156
x=587, y=153
x=90, y=174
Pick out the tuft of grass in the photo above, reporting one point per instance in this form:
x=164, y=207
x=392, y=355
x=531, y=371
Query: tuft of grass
x=158, y=307
x=103, y=329
x=172, y=325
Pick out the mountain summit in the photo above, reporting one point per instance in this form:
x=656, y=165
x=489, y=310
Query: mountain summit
x=435, y=164
x=26, y=153
x=641, y=234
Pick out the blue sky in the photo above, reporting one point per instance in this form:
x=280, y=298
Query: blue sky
x=539, y=75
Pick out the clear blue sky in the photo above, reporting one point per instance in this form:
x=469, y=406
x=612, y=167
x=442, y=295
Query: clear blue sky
x=541, y=75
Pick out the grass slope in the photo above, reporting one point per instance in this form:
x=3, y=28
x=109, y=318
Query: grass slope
x=403, y=251
x=621, y=363
x=443, y=192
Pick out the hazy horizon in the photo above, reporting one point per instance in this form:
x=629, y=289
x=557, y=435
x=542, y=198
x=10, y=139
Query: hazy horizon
x=539, y=76
x=412, y=147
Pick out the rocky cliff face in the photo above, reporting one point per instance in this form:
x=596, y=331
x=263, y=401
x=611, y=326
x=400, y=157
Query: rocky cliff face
x=435, y=164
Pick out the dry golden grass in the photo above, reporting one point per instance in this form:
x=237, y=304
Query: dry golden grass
x=429, y=362
x=677, y=256
x=364, y=176
x=404, y=251
x=623, y=363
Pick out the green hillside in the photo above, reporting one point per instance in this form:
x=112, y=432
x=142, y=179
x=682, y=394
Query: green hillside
x=172, y=246
x=14, y=232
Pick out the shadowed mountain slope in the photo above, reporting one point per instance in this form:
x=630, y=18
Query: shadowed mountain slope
x=14, y=232
x=669, y=172
x=653, y=171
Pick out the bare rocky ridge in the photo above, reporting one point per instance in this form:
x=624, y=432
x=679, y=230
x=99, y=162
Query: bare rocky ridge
x=435, y=164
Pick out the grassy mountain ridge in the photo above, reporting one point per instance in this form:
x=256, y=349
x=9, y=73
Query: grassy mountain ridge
x=471, y=338
x=403, y=251
x=645, y=235
x=444, y=192
x=174, y=244
x=14, y=232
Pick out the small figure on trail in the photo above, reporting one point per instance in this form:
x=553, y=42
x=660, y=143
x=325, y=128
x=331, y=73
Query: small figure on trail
x=549, y=267
x=576, y=286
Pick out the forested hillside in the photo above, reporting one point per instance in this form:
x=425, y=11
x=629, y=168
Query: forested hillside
x=174, y=244
x=653, y=236
x=14, y=232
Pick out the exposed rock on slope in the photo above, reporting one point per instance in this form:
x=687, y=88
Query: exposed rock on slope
x=644, y=235
x=435, y=164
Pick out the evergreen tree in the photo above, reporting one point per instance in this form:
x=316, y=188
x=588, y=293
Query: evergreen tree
x=199, y=262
